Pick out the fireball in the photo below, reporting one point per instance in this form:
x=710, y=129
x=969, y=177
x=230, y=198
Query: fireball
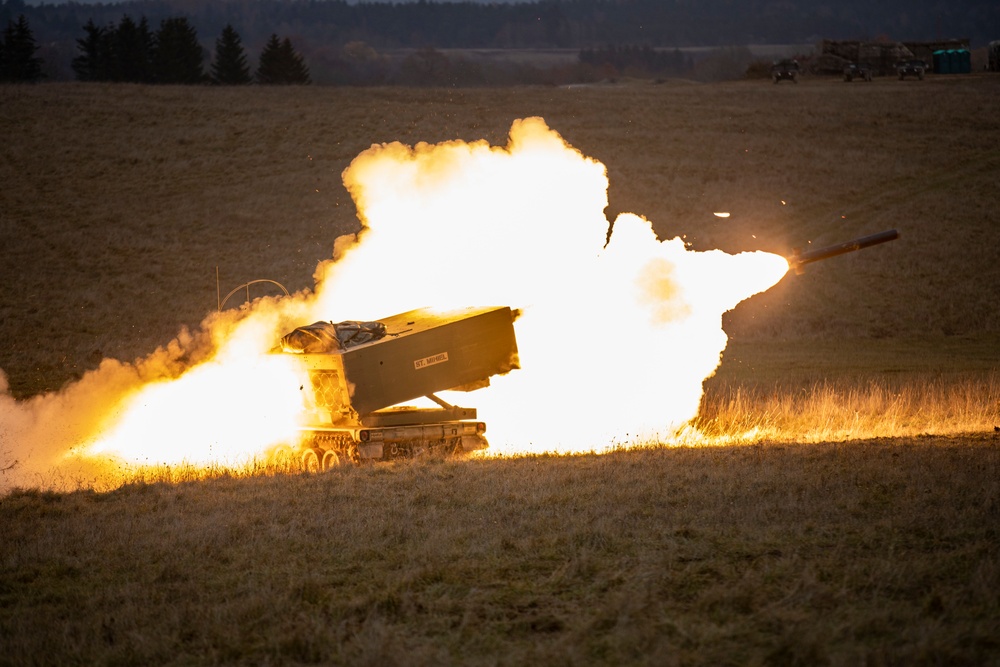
x=619, y=329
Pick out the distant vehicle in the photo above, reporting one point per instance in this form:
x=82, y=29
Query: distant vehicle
x=905, y=68
x=785, y=70
x=854, y=71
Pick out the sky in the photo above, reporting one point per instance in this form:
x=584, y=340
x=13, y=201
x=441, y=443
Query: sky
x=36, y=3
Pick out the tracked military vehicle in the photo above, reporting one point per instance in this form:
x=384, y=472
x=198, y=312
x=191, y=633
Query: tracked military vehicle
x=361, y=374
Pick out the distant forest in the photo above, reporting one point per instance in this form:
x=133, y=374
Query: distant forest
x=333, y=36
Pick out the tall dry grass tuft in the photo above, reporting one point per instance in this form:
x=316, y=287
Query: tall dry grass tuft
x=836, y=411
x=105, y=475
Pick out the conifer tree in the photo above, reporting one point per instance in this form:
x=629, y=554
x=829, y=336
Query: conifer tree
x=269, y=66
x=18, y=62
x=280, y=64
x=297, y=72
x=230, y=67
x=93, y=63
x=177, y=55
x=132, y=51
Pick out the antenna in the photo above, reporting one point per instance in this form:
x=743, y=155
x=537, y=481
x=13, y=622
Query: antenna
x=247, y=287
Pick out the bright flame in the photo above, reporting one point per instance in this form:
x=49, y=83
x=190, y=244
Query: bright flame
x=229, y=409
x=224, y=412
x=617, y=335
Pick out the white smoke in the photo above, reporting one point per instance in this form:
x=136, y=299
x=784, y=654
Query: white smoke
x=616, y=336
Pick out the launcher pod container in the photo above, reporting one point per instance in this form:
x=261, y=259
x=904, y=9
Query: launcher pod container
x=362, y=373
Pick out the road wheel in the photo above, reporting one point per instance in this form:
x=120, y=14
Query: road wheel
x=310, y=460
x=331, y=460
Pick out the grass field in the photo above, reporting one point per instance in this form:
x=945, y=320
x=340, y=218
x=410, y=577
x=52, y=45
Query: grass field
x=875, y=553
x=855, y=523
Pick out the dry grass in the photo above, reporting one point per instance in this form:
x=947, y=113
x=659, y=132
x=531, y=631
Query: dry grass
x=878, y=552
x=119, y=202
x=831, y=412
x=821, y=391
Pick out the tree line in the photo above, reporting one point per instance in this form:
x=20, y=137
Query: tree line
x=360, y=43
x=18, y=59
x=133, y=53
x=575, y=24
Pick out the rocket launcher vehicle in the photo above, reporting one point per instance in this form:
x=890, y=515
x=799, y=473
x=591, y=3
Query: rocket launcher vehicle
x=362, y=372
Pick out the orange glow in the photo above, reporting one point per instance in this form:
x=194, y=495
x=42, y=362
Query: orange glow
x=616, y=337
x=216, y=413
x=226, y=410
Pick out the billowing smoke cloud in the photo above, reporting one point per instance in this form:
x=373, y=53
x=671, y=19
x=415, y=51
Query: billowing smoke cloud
x=35, y=435
x=212, y=397
x=616, y=335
